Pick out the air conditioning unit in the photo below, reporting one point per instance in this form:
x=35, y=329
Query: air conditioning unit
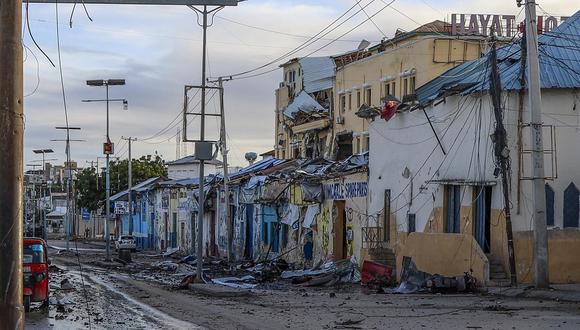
x=340, y=120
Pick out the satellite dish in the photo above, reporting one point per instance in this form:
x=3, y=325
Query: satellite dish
x=251, y=157
x=363, y=45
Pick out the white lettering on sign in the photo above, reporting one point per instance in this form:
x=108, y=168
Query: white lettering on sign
x=341, y=191
x=503, y=25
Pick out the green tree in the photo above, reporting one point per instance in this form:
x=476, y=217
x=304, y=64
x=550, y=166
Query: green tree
x=91, y=196
x=87, y=192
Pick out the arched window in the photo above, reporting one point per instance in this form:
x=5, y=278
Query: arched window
x=571, y=207
x=549, y=205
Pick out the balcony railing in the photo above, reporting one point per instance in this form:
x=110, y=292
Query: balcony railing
x=373, y=238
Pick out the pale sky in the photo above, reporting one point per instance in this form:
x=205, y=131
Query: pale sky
x=157, y=49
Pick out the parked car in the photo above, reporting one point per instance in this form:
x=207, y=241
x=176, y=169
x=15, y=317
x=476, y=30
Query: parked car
x=126, y=242
x=35, y=271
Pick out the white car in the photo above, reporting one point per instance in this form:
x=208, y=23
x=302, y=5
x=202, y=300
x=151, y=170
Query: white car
x=126, y=242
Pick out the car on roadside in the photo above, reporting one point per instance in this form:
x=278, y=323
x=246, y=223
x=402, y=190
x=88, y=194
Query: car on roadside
x=126, y=242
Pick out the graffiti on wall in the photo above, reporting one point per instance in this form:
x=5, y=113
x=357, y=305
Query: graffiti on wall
x=324, y=231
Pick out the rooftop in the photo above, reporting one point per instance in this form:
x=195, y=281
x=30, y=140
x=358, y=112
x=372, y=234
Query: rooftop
x=192, y=160
x=559, y=57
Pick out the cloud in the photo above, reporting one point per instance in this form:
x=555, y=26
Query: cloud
x=158, y=51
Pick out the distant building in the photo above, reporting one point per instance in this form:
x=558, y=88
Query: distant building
x=188, y=167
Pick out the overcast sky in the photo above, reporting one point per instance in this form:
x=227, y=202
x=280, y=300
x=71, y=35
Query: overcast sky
x=157, y=49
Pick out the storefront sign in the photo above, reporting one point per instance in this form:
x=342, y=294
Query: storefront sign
x=345, y=190
x=503, y=25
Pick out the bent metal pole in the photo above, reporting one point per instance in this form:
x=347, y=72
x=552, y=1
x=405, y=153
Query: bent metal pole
x=11, y=168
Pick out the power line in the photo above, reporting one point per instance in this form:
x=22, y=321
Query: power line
x=279, y=32
x=308, y=42
x=327, y=44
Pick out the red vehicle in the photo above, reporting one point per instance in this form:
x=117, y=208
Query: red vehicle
x=35, y=269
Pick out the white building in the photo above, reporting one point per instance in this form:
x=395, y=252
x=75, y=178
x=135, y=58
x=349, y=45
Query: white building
x=444, y=200
x=188, y=167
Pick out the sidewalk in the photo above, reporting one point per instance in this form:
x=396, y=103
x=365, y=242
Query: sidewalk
x=557, y=292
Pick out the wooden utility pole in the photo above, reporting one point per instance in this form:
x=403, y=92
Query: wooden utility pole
x=501, y=153
x=537, y=141
x=224, y=151
x=11, y=166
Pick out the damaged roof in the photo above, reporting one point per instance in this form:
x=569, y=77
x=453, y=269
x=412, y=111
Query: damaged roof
x=559, y=57
x=142, y=186
x=303, y=102
x=317, y=73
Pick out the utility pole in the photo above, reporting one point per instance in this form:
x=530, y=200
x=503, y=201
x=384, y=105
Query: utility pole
x=501, y=152
x=69, y=187
x=108, y=149
x=11, y=166
x=537, y=141
x=203, y=148
x=224, y=151
x=34, y=199
x=130, y=181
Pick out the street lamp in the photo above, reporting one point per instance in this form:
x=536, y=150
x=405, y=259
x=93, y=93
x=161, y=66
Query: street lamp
x=108, y=149
x=44, y=179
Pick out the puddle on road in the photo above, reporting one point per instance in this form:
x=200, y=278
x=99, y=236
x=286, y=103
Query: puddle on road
x=108, y=308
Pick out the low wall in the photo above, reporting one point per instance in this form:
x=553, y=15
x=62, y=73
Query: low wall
x=445, y=254
x=563, y=257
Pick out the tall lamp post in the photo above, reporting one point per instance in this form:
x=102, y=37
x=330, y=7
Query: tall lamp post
x=44, y=180
x=108, y=149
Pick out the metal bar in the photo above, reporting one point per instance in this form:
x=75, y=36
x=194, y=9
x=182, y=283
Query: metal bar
x=200, y=114
x=434, y=132
x=148, y=2
x=11, y=166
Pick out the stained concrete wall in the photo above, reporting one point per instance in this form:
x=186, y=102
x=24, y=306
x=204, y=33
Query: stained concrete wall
x=564, y=263
x=445, y=254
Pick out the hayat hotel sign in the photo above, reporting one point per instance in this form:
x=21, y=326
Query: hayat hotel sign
x=504, y=25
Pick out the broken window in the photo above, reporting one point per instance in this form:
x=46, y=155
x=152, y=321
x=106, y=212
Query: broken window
x=358, y=99
x=342, y=103
x=387, y=89
x=344, y=146
x=369, y=98
x=349, y=101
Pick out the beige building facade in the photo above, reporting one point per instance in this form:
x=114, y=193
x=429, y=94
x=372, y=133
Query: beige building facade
x=395, y=67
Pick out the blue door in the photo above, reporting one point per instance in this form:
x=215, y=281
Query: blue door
x=269, y=220
x=453, y=209
x=482, y=231
x=249, y=250
x=174, y=231
x=571, y=206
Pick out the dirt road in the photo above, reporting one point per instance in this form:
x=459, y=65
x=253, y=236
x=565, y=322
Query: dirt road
x=117, y=300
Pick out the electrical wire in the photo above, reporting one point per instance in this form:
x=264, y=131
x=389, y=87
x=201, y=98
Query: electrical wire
x=68, y=154
x=280, y=32
x=371, y=20
x=308, y=42
x=32, y=36
x=335, y=39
